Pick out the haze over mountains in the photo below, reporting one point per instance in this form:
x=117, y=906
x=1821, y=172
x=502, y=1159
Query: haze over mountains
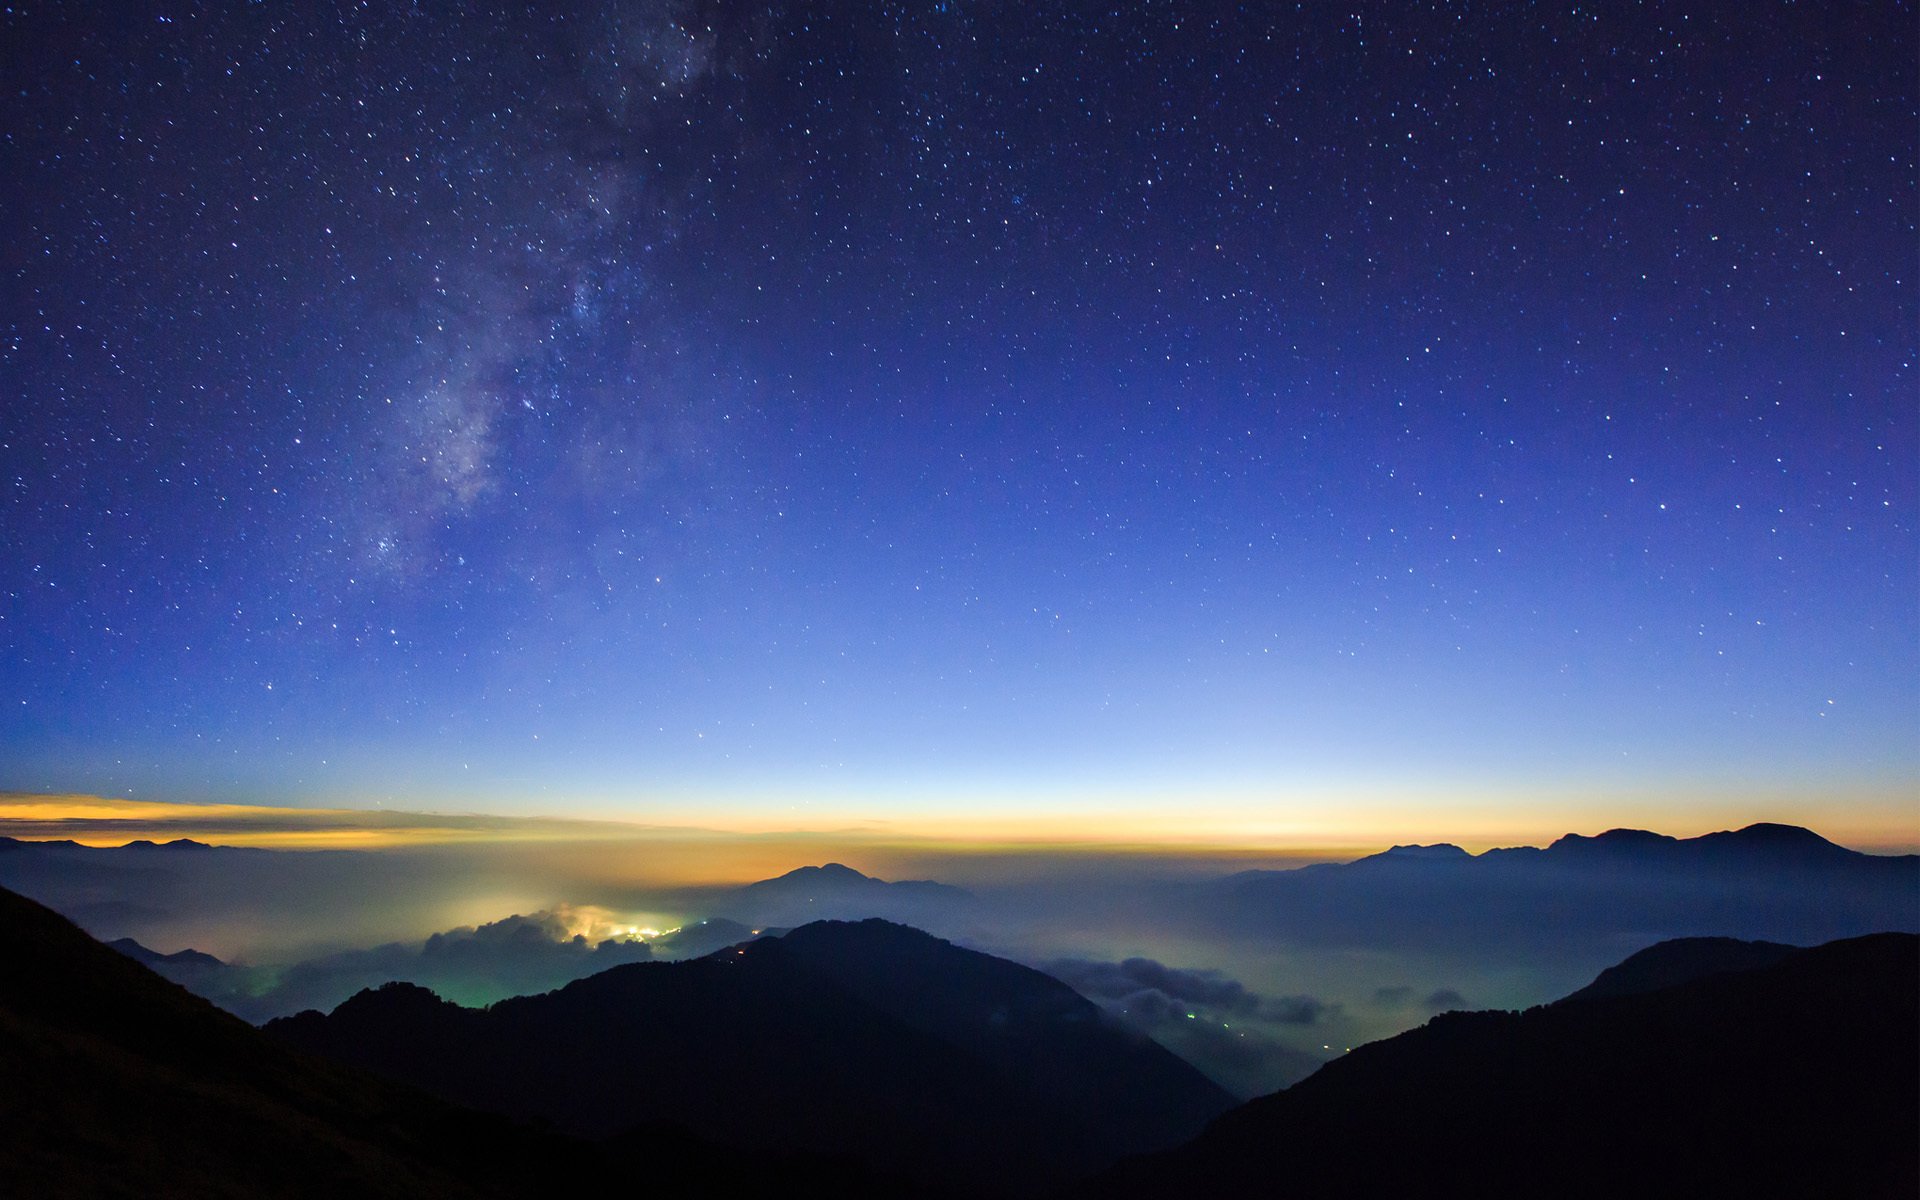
x=1763, y=881
x=866, y=1058
x=1255, y=978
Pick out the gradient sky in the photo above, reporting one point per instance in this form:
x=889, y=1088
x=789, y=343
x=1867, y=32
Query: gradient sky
x=954, y=411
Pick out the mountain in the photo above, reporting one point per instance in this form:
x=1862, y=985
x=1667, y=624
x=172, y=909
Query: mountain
x=119, y=1083
x=176, y=846
x=184, y=960
x=1679, y=961
x=1793, y=1079
x=1764, y=846
x=1439, y=852
x=20, y=846
x=837, y=892
x=869, y=1040
x=1582, y=898
x=134, y=889
x=69, y=847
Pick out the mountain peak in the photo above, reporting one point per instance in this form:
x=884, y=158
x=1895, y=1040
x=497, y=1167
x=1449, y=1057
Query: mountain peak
x=1765, y=842
x=833, y=873
x=1770, y=833
x=11, y=843
x=1621, y=839
x=1439, y=850
x=833, y=870
x=153, y=958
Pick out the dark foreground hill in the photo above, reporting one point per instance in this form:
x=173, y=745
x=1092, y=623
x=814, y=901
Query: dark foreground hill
x=1681, y=960
x=115, y=1082
x=1794, y=1079
x=870, y=1040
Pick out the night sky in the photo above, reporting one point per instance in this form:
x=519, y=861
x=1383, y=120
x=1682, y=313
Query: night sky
x=938, y=411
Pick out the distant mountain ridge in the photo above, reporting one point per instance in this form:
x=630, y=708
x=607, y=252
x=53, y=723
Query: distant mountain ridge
x=1763, y=843
x=834, y=891
x=1588, y=896
x=835, y=878
x=137, y=846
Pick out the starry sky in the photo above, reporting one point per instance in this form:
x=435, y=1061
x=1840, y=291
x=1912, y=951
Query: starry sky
x=1245, y=417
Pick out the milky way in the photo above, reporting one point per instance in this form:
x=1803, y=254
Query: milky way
x=882, y=408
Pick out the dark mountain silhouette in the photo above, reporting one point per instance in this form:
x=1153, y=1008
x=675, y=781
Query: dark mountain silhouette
x=18, y=845
x=179, y=959
x=836, y=879
x=1763, y=846
x=68, y=846
x=1441, y=852
x=1679, y=961
x=871, y=1040
x=230, y=986
x=1794, y=1079
x=176, y=846
x=119, y=1083
x=837, y=892
x=1582, y=897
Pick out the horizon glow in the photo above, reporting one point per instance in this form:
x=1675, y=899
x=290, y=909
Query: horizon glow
x=1096, y=830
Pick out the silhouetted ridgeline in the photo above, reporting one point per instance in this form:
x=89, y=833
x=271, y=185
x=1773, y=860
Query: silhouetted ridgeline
x=1793, y=1079
x=1581, y=895
x=115, y=1082
x=869, y=1039
x=833, y=892
x=1682, y=960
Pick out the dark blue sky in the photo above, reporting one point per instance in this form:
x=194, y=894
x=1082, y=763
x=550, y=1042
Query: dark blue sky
x=885, y=411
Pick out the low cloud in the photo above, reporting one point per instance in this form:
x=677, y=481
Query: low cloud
x=475, y=964
x=1438, y=1000
x=1151, y=993
x=1292, y=1010
x=1104, y=981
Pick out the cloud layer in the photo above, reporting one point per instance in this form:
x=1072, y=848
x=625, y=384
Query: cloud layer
x=472, y=965
x=1217, y=1023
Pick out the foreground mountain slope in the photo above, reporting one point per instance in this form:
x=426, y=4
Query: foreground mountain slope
x=1682, y=960
x=1795, y=1079
x=118, y=1082
x=1127, y=1091
x=869, y=1039
x=115, y=1082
